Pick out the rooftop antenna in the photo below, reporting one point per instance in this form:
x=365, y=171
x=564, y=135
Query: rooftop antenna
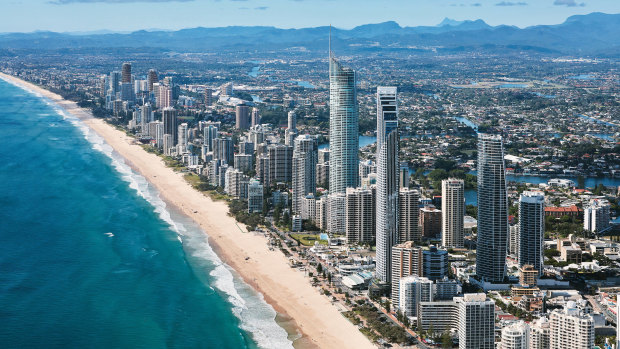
x=330, y=40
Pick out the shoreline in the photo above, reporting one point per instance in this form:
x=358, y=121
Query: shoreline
x=300, y=308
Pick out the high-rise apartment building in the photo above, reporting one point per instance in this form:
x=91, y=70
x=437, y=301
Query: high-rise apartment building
x=596, y=216
x=223, y=150
x=360, y=215
x=151, y=78
x=407, y=259
x=146, y=116
x=516, y=336
x=409, y=212
x=531, y=229
x=280, y=163
x=387, y=179
x=208, y=97
x=492, y=209
x=171, y=124
x=343, y=127
x=539, y=334
x=571, y=328
x=304, y=169
x=255, y=196
x=476, y=322
x=430, y=221
x=452, y=213
x=336, y=213
x=436, y=263
x=412, y=291
x=210, y=133
x=242, y=117
x=126, y=73
x=255, y=117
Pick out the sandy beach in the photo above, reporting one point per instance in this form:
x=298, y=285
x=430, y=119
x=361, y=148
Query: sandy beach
x=284, y=288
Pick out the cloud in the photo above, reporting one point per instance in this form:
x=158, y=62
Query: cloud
x=477, y=4
x=510, y=3
x=568, y=3
x=262, y=8
x=65, y=2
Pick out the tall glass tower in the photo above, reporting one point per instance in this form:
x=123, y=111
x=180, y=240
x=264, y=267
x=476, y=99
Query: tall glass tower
x=531, y=229
x=343, y=127
x=492, y=209
x=387, y=180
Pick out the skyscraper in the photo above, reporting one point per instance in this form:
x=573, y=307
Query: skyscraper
x=151, y=79
x=126, y=73
x=492, y=209
x=343, y=127
x=243, y=117
x=387, y=179
x=171, y=124
x=476, y=322
x=255, y=117
x=408, y=215
x=304, y=169
x=145, y=117
x=360, y=215
x=571, y=328
x=412, y=291
x=407, y=259
x=531, y=229
x=453, y=211
x=208, y=97
x=223, y=150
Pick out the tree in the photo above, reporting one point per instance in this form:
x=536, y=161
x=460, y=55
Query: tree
x=446, y=340
x=319, y=268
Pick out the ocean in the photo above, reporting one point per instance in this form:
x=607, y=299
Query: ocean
x=91, y=257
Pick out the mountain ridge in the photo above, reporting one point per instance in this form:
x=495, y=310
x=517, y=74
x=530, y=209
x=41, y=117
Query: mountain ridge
x=594, y=33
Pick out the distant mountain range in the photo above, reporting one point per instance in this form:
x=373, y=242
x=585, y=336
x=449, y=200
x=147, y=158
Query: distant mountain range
x=592, y=34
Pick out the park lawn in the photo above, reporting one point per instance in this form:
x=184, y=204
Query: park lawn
x=308, y=239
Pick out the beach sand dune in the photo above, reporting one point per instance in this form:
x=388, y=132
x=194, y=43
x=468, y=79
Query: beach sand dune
x=286, y=289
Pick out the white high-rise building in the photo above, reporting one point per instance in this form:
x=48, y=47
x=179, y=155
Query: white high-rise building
x=304, y=169
x=360, y=215
x=453, y=213
x=539, y=334
x=596, y=216
x=516, y=336
x=407, y=259
x=409, y=213
x=476, y=322
x=492, y=243
x=146, y=116
x=387, y=179
x=182, y=137
x=343, y=127
x=413, y=290
x=255, y=196
x=531, y=229
x=336, y=213
x=571, y=328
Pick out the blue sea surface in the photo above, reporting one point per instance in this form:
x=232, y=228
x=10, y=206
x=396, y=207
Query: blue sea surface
x=91, y=257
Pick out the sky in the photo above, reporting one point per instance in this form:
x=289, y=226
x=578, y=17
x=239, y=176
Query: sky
x=130, y=15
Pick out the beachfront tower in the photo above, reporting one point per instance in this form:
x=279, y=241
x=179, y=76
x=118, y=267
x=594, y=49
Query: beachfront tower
x=304, y=169
x=387, y=179
x=492, y=209
x=171, y=124
x=453, y=212
x=343, y=127
x=531, y=229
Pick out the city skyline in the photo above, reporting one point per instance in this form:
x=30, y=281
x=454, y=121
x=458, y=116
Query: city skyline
x=118, y=15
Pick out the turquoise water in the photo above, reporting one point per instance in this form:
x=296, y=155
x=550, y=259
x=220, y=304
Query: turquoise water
x=90, y=257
